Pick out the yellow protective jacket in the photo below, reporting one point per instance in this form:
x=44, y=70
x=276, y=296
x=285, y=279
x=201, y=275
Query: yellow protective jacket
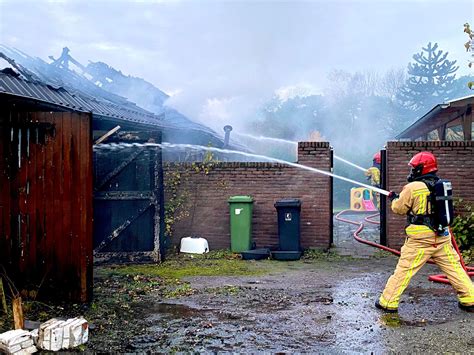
x=414, y=199
x=374, y=174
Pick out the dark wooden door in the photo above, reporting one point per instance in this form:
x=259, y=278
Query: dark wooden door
x=127, y=203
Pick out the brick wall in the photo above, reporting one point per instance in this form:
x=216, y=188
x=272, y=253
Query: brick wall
x=455, y=162
x=266, y=183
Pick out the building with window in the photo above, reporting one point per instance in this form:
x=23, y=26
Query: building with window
x=450, y=121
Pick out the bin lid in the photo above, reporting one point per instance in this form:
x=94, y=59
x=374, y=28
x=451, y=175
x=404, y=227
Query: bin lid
x=248, y=199
x=288, y=202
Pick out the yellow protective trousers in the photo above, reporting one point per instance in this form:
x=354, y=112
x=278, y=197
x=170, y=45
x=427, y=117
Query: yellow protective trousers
x=414, y=254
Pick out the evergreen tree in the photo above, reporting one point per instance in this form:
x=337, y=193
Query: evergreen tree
x=430, y=80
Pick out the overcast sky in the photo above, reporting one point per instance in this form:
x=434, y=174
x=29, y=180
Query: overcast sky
x=221, y=59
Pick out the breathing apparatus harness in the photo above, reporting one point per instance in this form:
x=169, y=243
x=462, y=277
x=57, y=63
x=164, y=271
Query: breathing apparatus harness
x=440, y=202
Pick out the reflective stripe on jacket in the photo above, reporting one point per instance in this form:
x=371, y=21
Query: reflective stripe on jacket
x=414, y=199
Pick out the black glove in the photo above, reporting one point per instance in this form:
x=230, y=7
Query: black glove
x=392, y=196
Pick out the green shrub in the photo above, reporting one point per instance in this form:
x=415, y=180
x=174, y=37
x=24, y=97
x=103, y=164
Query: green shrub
x=463, y=225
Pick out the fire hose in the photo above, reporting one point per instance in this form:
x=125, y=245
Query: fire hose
x=369, y=219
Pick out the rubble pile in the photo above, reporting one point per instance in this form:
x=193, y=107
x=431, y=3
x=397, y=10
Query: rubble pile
x=53, y=335
x=57, y=334
x=17, y=341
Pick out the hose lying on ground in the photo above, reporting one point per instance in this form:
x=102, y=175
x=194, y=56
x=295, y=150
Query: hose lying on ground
x=369, y=219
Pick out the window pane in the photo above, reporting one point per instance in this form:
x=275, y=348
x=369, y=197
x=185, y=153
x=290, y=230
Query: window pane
x=454, y=133
x=472, y=131
x=433, y=135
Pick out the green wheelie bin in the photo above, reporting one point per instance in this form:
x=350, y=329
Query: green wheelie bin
x=241, y=208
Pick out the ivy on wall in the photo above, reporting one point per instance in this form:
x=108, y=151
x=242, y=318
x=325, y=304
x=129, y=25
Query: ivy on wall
x=178, y=204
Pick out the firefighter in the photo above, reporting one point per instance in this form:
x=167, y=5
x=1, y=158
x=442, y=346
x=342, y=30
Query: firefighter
x=422, y=242
x=373, y=174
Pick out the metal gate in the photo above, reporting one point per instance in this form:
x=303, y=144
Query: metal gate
x=128, y=200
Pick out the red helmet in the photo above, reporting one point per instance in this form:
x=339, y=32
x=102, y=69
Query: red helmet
x=377, y=158
x=425, y=162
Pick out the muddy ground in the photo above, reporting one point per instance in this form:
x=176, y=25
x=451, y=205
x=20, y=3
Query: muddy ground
x=218, y=303
x=311, y=306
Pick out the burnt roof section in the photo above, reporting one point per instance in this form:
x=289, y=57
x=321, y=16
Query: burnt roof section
x=58, y=90
x=86, y=81
x=14, y=85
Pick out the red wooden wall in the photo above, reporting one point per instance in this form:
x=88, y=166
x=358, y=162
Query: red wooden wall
x=46, y=202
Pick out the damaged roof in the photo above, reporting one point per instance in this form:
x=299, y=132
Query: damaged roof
x=57, y=84
x=15, y=85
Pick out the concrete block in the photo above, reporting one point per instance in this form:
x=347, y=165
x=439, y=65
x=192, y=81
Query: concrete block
x=17, y=342
x=51, y=337
x=27, y=343
x=12, y=349
x=57, y=334
x=32, y=349
x=79, y=332
x=34, y=335
x=13, y=337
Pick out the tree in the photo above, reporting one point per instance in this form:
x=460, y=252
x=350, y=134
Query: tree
x=430, y=79
x=469, y=45
x=293, y=118
x=392, y=82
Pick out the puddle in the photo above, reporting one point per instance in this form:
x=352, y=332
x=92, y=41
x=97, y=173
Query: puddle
x=355, y=317
x=176, y=311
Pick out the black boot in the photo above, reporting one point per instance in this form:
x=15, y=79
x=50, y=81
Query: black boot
x=388, y=310
x=466, y=308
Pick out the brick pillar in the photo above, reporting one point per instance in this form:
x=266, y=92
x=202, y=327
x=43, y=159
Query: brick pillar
x=455, y=163
x=318, y=205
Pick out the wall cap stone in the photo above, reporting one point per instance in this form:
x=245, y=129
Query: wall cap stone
x=313, y=144
x=428, y=144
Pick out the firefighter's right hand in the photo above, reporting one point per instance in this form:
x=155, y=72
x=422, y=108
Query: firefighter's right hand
x=393, y=195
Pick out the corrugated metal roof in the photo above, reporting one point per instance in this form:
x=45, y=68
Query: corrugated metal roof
x=54, y=76
x=59, y=96
x=66, y=88
x=16, y=86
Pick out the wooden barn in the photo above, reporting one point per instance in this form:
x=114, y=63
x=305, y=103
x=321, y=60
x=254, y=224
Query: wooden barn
x=53, y=186
x=66, y=200
x=46, y=198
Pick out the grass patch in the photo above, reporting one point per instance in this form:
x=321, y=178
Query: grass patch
x=182, y=290
x=228, y=290
x=218, y=263
x=391, y=320
x=380, y=254
x=319, y=254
